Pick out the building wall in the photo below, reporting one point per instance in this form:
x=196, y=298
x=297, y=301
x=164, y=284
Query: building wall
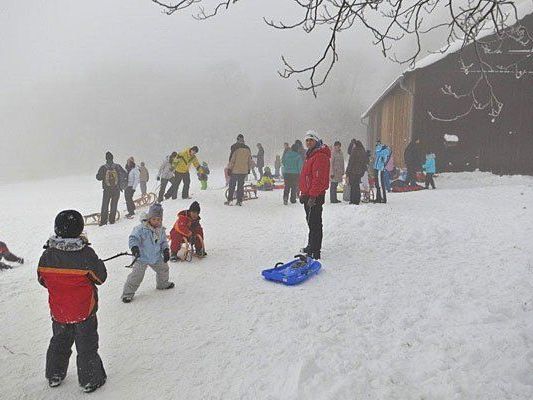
x=391, y=120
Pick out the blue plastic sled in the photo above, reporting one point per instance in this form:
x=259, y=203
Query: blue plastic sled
x=294, y=272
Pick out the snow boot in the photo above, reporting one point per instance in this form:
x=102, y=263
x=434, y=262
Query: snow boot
x=316, y=255
x=91, y=387
x=170, y=286
x=55, y=381
x=174, y=257
x=239, y=203
x=127, y=299
x=285, y=202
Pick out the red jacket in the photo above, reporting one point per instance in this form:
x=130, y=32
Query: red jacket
x=314, y=178
x=70, y=269
x=186, y=226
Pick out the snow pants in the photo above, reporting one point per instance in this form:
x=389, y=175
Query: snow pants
x=236, y=180
x=128, y=195
x=136, y=276
x=85, y=335
x=314, y=222
x=162, y=188
x=106, y=214
x=430, y=181
x=291, y=187
x=196, y=240
x=381, y=193
x=355, y=190
x=203, y=184
x=178, y=178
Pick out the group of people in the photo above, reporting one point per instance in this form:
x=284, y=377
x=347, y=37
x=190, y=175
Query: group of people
x=116, y=179
x=174, y=170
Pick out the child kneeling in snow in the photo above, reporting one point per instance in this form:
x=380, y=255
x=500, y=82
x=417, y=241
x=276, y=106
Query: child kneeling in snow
x=187, y=231
x=149, y=245
x=69, y=268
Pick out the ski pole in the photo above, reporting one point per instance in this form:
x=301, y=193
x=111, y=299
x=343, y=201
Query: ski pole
x=118, y=255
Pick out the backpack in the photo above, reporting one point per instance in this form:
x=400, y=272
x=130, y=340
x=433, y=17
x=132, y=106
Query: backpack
x=111, y=178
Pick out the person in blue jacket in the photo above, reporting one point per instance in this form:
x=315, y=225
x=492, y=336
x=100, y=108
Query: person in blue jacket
x=292, y=166
x=381, y=157
x=149, y=245
x=430, y=169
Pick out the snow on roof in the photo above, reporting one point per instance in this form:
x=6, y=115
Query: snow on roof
x=523, y=8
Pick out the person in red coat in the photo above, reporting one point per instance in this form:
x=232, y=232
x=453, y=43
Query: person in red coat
x=187, y=229
x=314, y=181
x=69, y=268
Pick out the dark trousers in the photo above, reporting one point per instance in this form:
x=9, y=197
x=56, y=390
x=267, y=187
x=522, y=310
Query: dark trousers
x=128, y=195
x=430, y=181
x=333, y=192
x=314, y=222
x=291, y=187
x=162, y=188
x=236, y=180
x=178, y=178
x=260, y=170
x=411, y=176
x=355, y=190
x=381, y=192
x=143, y=187
x=85, y=335
x=109, y=196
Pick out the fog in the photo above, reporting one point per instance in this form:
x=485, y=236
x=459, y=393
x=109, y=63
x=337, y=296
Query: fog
x=78, y=79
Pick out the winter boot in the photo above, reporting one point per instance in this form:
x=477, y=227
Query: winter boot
x=239, y=203
x=91, y=387
x=316, y=255
x=170, y=286
x=55, y=381
x=174, y=257
x=127, y=299
x=285, y=201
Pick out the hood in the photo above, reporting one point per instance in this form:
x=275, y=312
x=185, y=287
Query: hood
x=186, y=213
x=66, y=244
x=320, y=148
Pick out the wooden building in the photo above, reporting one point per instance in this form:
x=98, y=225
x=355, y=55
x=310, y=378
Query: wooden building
x=414, y=106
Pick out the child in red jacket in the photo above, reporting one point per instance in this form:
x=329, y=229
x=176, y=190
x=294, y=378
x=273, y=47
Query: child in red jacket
x=8, y=256
x=69, y=268
x=187, y=230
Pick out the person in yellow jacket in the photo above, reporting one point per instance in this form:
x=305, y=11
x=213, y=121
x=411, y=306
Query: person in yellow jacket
x=181, y=165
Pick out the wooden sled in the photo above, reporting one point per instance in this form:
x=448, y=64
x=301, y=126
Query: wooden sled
x=250, y=192
x=94, y=219
x=147, y=200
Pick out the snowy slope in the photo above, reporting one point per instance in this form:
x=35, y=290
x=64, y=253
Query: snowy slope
x=427, y=297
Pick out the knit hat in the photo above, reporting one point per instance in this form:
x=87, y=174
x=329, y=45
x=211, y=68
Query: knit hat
x=109, y=156
x=155, y=211
x=69, y=224
x=240, y=136
x=195, y=206
x=312, y=135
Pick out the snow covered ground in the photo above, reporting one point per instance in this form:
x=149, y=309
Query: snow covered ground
x=427, y=297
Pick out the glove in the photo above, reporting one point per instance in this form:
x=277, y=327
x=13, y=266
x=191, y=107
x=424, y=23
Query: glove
x=135, y=251
x=303, y=199
x=158, y=178
x=166, y=255
x=311, y=202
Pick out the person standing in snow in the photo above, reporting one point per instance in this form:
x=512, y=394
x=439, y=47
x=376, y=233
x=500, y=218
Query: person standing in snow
x=351, y=146
x=292, y=166
x=260, y=159
x=381, y=156
x=149, y=245
x=239, y=166
x=336, y=171
x=144, y=177
x=165, y=175
x=70, y=270
x=133, y=181
x=187, y=230
x=413, y=161
x=430, y=169
x=286, y=149
x=356, y=169
x=388, y=172
x=277, y=167
x=301, y=149
x=314, y=181
x=8, y=256
x=182, y=163
x=114, y=180
x=203, y=174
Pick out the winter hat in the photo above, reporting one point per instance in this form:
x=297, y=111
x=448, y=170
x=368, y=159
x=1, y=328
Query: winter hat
x=312, y=135
x=69, y=224
x=109, y=156
x=195, y=149
x=195, y=206
x=240, y=137
x=155, y=211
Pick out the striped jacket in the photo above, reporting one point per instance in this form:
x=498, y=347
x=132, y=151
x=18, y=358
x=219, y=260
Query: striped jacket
x=70, y=269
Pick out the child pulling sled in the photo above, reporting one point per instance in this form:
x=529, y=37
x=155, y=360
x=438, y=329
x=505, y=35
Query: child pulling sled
x=149, y=245
x=187, y=235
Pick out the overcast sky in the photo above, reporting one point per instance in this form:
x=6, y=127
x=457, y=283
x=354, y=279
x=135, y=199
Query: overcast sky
x=80, y=78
